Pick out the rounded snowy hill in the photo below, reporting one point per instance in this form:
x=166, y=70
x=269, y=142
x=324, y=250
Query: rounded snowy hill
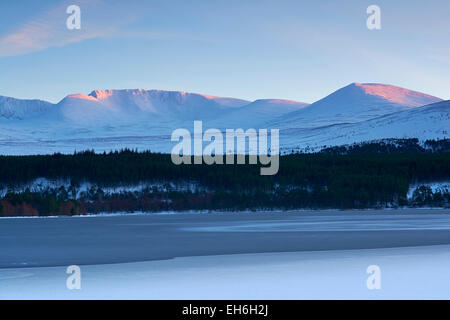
x=427, y=122
x=11, y=108
x=354, y=103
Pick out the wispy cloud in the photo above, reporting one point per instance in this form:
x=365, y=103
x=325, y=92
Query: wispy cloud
x=99, y=19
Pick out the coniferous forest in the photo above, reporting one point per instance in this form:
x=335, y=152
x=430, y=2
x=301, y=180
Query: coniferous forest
x=374, y=175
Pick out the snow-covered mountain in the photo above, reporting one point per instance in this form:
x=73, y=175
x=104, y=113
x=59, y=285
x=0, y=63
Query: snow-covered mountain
x=11, y=108
x=427, y=122
x=145, y=119
x=139, y=104
x=353, y=103
x=257, y=113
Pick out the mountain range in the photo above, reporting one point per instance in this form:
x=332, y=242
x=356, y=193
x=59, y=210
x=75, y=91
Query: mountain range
x=112, y=119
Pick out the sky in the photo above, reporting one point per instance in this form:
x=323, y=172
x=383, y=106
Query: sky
x=250, y=49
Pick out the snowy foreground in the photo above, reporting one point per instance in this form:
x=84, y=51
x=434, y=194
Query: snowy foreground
x=406, y=273
x=265, y=255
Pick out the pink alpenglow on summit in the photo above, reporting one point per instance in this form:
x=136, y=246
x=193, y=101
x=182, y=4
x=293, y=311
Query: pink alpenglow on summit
x=397, y=94
x=354, y=103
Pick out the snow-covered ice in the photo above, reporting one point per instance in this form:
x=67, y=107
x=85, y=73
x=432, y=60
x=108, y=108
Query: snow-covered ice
x=406, y=273
x=263, y=255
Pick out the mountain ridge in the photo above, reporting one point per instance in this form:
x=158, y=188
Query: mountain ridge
x=105, y=120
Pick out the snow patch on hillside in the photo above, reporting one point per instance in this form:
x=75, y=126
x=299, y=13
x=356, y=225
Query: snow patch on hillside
x=85, y=188
x=442, y=187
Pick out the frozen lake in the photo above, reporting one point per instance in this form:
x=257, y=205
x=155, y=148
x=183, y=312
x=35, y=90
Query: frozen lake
x=311, y=255
x=35, y=242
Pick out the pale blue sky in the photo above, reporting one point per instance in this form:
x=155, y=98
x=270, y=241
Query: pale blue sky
x=299, y=50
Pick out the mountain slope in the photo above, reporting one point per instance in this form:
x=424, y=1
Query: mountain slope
x=427, y=122
x=353, y=103
x=11, y=108
x=257, y=113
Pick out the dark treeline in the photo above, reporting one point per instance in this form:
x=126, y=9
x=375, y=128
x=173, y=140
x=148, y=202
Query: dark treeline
x=392, y=146
x=321, y=180
x=128, y=166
